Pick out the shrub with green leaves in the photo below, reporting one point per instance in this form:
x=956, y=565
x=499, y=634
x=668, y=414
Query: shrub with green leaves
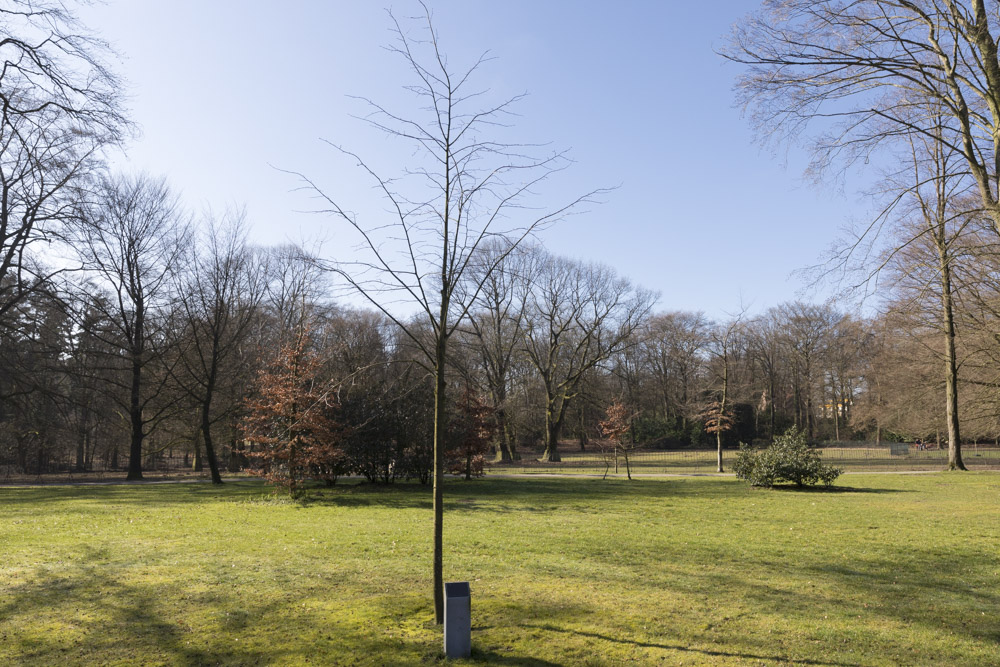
x=788, y=459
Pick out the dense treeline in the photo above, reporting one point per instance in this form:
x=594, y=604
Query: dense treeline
x=133, y=334
x=107, y=369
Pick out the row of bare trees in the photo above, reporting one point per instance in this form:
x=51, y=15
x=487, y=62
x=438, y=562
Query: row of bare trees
x=137, y=356
x=913, y=88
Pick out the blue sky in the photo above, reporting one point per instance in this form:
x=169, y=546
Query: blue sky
x=226, y=91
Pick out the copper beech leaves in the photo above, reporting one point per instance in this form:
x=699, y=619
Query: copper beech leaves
x=291, y=433
x=473, y=429
x=615, y=427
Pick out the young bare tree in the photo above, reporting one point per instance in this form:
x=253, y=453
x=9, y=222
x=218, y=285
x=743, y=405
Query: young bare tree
x=130, y=242
x=615, y=427
x=462, y=188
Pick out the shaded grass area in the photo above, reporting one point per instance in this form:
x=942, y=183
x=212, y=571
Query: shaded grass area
x=888, y=570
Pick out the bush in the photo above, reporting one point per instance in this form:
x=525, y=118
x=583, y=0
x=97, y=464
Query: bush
x=788, y=459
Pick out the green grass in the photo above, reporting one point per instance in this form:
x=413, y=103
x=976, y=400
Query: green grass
x=898, y=569
x=658, y=462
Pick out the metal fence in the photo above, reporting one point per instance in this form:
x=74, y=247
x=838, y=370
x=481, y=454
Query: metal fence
x=852, y=457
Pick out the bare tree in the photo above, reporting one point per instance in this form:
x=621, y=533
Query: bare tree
x=461, y=190
x=724, y=339
x=59, y=105
x=296, y=286
x=764, y=348
x=877, y=73
x=496, y=327
x=872, y=409
x=867, y=72
x=673, y=344
x=936, y=212
x=130, y=242
x=579, y=316
x=807, y=329
x=220, y=294
x=843, y=368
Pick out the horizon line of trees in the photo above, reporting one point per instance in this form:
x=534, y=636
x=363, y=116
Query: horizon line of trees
x=154, y=353
x=130, y=330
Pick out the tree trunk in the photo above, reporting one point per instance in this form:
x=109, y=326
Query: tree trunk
x=199, y=463
x=773, y=401
x=206, y=418
x=40, y=462
x=553, y=427
x=503, y=446
x=836, y=417
x=440, y=425
x=88, y=450
x=206, y=430
x=808, y=416
x=951, y=371
x=81, y=444
x=512, y=442
x=722, y=414
x=135, y=397
x=135, y=417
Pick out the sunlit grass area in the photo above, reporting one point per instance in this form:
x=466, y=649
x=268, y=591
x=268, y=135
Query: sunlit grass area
x=892, y=569
x=885, y=458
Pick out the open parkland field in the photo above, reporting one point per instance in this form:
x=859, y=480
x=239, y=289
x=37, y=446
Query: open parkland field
x=881, y=569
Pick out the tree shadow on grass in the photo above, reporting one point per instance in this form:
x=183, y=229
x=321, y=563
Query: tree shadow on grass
x=38, y=498
x=481, y=495
x=91, y=612
x=91, y=615
x=715, y=653
x=495, y=658
x=928, y=581
x=496, y=495
x=544, y=496
x=835, y=489
x=926, y=587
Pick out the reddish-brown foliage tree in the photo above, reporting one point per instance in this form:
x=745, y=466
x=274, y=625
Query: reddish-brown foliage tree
x=615, y=428
x=288, y=425
x=716, y=420
x=472, y=430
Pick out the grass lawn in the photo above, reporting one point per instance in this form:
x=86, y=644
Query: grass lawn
x=896, y=569
x=853, y=459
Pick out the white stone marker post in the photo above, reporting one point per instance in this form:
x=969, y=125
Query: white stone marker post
x=457, y=620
